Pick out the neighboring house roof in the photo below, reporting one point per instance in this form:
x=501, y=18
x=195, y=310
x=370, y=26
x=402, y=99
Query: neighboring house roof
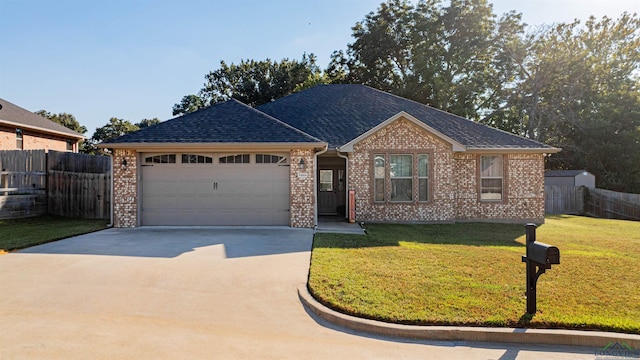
x=340, y=113
x=564, y=173
x=14, y=115
x=226, y=122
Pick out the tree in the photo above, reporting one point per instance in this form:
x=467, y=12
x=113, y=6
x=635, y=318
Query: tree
x=579, y=89
x=67, y=120
x=571, y=86
x=189, y=103
x=448, y=57
x=114, y=128
x=253, y=82
x=144, y=123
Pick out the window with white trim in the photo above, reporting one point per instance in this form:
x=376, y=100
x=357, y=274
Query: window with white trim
x=196, y=159
x=491, y=177
x=401, y=175
x=234, y=159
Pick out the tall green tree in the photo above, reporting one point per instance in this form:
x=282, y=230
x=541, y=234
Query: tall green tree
x=449, y=56
x=568, y=85
x=67, y=120
x=144, y=123
x=253, y=82
x=579, y=89
x=114, y=128
x=189, y=103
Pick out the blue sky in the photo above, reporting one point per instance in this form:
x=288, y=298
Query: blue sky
x=134, y=59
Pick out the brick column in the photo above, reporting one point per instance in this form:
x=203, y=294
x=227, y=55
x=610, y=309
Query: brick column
x=302, y=194
x=125, y=188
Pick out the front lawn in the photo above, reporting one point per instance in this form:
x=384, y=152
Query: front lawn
x=22, y=233
x=472, y=274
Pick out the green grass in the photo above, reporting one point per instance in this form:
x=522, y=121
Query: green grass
x=472, y=274
x=22, y=233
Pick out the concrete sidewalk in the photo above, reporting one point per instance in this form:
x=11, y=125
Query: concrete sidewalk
x=203, y=293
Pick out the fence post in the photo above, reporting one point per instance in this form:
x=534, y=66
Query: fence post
x=580, y=199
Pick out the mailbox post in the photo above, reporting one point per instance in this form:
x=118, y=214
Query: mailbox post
x=539, y=258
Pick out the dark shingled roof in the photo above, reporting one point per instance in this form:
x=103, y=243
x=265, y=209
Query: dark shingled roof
x=10, y=112
x=563, y=173
x=340, y=113
x=226, y=122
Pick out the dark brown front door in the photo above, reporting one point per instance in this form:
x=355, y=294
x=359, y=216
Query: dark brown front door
x=331, y=189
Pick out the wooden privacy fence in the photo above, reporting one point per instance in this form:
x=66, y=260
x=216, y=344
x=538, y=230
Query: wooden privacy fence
x=80, y=195
x=22, y=183
x=612, y=205
x=594, y=202
x=34, y=182
x=562, y=199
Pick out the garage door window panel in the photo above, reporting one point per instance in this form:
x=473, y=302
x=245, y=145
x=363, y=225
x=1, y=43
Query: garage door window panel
x=196, y=159
x=161, y=159
x=235, y=159
x=270, y=159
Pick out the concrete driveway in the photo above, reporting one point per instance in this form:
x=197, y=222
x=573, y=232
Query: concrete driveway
x=207, y=293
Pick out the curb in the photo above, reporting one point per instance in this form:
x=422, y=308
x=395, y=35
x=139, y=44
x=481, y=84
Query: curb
x=593, y=339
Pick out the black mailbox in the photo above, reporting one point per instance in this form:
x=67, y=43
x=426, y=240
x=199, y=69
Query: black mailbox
x=543, y=253
x=539, y=258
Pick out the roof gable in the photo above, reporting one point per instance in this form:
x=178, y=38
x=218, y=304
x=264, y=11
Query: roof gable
x=226, y=122
x=14, y=115
x=348, y=147
x=340, y=113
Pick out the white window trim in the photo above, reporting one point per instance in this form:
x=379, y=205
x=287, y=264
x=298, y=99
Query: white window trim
x=501, y=178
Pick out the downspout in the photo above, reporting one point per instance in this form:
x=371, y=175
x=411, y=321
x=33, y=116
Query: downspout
x=346, y=182
x=111, y=195
x=315, y=185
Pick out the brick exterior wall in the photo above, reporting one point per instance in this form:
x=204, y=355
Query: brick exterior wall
x=32, y=141
x=453, y=181
x=403, y=137
x=125, y=189
x=523, y=190
x=302, y=194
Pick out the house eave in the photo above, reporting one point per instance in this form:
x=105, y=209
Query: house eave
x=150, y=147
x=42, y=130
x=512, y=150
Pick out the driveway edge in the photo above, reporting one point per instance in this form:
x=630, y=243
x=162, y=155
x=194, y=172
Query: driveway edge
x=593, y=339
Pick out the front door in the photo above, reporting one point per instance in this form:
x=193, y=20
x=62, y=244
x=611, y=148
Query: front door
x=331, y=190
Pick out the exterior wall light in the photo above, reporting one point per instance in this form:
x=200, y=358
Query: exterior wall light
x=301, y=164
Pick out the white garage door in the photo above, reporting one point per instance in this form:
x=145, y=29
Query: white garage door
x=215, y=189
